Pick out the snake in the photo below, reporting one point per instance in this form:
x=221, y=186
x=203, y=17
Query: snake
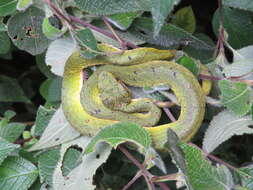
x=104, y=99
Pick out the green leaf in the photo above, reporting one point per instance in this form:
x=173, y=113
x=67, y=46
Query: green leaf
x=189, y=63
x=223, y=126
x=47, y=163
x=160, y=10
x=172, y=37
x=87, y=42
x=16, y=173
x=247, y=180
x=23, y=4
x=123, y=20
x=6, y=149
x=109, y=7
x=120, y=133
x=43, y=117
x=184, y=18
x=51, y=31
x=51, y=89
x=200, y=173
x=235, y=96
x=25, y=31
x=5, y=43
x=11, y=131
x=10, y=91
x=72, y=159
x=242, y=4
x=238, y=25
x=43, y=67
x=7, y=7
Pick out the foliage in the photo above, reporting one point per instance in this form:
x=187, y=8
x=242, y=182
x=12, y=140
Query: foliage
x=40, y=150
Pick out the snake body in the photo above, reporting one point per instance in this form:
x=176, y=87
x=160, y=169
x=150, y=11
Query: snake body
x=103, y=99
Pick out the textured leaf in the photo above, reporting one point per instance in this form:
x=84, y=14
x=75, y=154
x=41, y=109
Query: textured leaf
x=120, y=133
x=123, y=20
x=201, y=175
x=242, y=63
x=47, y=163
x=50, y=30
x=51, y=89
x=16, y=173
x=172, y=37
x=160, y=10
x=23, y=4
x=109, y=7
x=57, y=54
x=43, y=117
x=10, y=91
x=7, y=7
x=224, y=126
x=5, y=43
x=6, y=149
x=189, y=63
x=87, y=42
x=81, y=177
x=25, y=31
x=247, y=180
x=242, y=4
x=237, y=24
x=57, y=132
x=184, y=18
x=43, y=67
x=235, y=96
x=72, y=159
x=11, y=131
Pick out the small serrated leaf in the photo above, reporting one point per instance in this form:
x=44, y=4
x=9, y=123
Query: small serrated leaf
x=235, y=96
x=223, y=126
x=120, y=133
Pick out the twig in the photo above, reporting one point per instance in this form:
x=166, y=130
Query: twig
x=163, y=186
x=121, y=42
x=169, y=114
x=137, y=176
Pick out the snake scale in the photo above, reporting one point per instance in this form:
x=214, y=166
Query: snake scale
x=103, y=99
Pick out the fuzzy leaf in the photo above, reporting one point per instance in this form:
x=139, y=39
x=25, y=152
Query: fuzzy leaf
x=81, y=177
x=7, y=7
x=120, y=133
x=57, y=132
x=242, y=4
x=17, y=174
x=235, y=96
x=25, y=31
x=6, y=149
x=51, y=31
x=109, y=7
x=224, y=126
x=247, y=180
x=57, y=54
x=24, y=4
x=160, y=9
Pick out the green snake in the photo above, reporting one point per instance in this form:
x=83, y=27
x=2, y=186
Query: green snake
x=103, y=99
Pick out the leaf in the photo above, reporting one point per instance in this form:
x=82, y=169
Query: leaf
x=189, y=63
x=51, y=89
x=57, y=132
x=235, y=96
x=43, y=117
x=24, y=4
x=17, y=174
x=6, y=149
x=242, y=63
x=57, y=54
x=171, y=36
x=51, y=31
x=72, y=159
x=184, y=18
x=82, y=176
x=10, y=91
x=5, y=43
x=7, y=7
x=25, y=31
x=237, y=24
x=247, y=180
x=242, y=4
x=123, y=20
x=41, y=64
x=120, y=133
x=47, y=163
x=201, y=175
x=109, y=7
x=160, y=9
x=87, y=42
x=11, y=131
x=224, y=126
